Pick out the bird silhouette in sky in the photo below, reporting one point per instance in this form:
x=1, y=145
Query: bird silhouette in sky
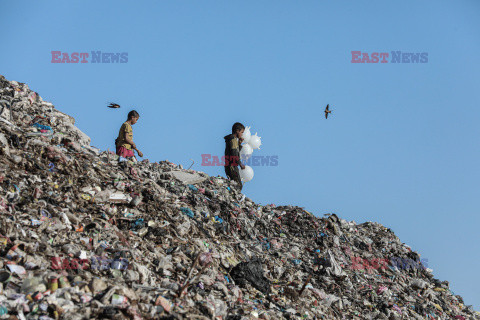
x=327, y=111
x=113, y=105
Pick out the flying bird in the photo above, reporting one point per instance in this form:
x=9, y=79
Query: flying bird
x=327, y=111
x=113, y=105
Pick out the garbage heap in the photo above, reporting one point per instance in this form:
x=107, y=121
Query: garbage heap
x=86, y=236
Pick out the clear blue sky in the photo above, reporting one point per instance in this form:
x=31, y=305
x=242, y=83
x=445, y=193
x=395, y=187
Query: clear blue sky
x=401, y=146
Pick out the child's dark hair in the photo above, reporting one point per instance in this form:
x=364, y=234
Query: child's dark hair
x=132, y=114
x=237, y=127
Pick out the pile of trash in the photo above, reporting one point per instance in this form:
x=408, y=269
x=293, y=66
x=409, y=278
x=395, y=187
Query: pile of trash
x=86, y=236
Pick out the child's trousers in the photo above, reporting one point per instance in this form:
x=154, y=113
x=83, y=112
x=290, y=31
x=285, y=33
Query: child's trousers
x=233, y=174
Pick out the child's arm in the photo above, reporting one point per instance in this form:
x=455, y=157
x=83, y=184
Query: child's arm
x=128, y=132
x=234, y=144
x=130, y=142
x=242, y=166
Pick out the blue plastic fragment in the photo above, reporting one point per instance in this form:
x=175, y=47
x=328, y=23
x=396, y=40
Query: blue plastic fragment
x=139, y=223
x=42, y=127
x=188, y=212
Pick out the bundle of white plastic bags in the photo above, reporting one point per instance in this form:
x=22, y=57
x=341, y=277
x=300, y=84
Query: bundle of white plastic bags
x=250, y=143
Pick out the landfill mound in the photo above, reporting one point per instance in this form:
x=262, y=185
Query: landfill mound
x=86, y=236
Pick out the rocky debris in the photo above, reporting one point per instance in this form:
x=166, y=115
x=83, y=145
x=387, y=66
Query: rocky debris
x=84, y=236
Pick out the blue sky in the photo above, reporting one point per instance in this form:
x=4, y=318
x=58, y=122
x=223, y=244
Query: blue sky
x=400, y=148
